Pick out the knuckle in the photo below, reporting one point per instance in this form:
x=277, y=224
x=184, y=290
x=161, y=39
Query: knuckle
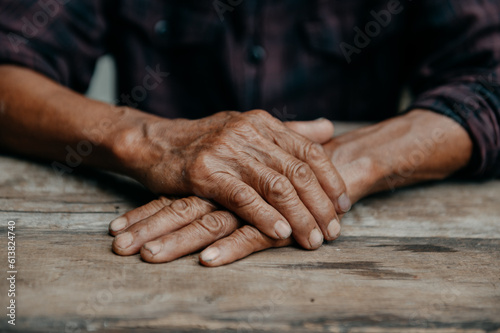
x=222, y=117
x=315, y=152
x=209, y=187
x=263, y=115
x=144, y=231
x=248, y=235
x=164, y=201
x=187, y=208
x=200, y=168
x=201, y=204
x=231, y=114
x=235, y=241
x=240, y=126
x=258, y=113
x=155, y=205
x=301, y=173
x=214, y=224
x=180, y=206
x=241, y=196
x=202, y=161
x=279, y=186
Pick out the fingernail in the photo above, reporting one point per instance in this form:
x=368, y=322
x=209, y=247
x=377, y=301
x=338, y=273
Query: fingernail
x=333, y=229
x=320, y=119
x=282, y=229
x=118, y=224
x=124, y=240
x=315, y=238
x=153, y=247
x=344, y=203
x=210, y=254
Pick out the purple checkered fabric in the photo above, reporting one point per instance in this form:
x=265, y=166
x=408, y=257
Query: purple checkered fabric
x=298, y=59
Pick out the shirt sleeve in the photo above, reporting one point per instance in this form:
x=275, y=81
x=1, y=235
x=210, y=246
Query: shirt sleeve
x=455, y=47
x=61, y=39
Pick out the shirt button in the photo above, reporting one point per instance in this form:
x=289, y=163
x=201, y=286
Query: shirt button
x=161, y=28
x=257, y=54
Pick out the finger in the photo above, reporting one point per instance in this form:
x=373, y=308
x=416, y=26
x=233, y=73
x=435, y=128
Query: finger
x=312, y=208
x=241, y=243
x=243, y=200
x=314, y=155
x=288, y=194
x=310, y=152
x=191, y=238
x=121, y=223
x=319, y=130
x=180, y=213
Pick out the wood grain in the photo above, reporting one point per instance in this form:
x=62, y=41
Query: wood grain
x=423, y=259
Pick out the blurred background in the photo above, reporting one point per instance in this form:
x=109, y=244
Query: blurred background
x=103, y=84
x=103, y=87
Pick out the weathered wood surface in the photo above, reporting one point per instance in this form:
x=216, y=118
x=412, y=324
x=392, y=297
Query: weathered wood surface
x=424, y=259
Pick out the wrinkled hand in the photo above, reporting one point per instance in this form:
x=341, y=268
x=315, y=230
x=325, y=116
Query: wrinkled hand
x=253, y=165
x=186, y=226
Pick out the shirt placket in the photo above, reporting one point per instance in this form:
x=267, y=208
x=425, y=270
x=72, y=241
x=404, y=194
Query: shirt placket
x=254, y=57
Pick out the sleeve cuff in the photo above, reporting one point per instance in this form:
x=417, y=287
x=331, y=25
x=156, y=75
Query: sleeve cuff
x=477, y=110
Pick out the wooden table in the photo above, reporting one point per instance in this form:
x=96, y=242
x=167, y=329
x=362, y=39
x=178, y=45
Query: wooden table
x=424, y=259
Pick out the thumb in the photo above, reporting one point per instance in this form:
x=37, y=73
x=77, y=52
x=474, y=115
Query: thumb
x=319, y=130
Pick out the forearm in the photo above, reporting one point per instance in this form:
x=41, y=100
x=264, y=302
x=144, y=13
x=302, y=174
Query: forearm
x=419, y=146
x=225, y=157
x=42, y=118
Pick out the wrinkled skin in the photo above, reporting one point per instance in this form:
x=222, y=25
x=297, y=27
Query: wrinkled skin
x=369, y=160
x=252, y=164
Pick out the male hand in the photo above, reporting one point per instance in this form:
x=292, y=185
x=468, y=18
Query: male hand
x=253, y=165
x=167, y=229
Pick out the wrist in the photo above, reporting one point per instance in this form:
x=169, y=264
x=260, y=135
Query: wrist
x=360, y=169
x=148, y=148
x=361, y=176
x=129, y=142
x=418, y=146
x=366, y=162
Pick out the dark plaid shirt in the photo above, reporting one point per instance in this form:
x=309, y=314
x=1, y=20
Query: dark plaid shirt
x=298, y=59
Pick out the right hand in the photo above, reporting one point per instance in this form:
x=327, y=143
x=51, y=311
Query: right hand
x=252, y=164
